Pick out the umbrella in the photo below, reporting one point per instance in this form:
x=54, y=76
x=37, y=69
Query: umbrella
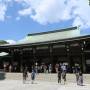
x=3, y=53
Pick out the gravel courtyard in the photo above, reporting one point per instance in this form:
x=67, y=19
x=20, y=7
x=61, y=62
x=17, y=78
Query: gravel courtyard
x=40, y=85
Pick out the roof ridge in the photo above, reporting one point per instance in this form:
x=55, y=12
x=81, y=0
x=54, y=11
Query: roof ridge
x=60, y=30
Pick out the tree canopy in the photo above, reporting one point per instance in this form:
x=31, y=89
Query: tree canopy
x=3, y=42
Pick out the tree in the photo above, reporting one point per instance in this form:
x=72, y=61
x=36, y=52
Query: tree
x=3, y=42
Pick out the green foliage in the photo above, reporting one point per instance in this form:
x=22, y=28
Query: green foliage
x=89, y=2
x=3, y=42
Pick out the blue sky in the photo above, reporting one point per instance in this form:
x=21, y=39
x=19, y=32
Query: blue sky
x=20, y=17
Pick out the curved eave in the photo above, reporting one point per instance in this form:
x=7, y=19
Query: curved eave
x=82, y=38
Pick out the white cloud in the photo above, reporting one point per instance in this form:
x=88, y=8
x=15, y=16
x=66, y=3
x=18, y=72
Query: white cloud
x=78, y=21
x=81, y=14
x=25, y=12
x=44, y=10
x=51, y=11
x=3, y=9
x=11, y=41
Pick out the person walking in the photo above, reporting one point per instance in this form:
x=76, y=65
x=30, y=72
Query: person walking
x=25, y=74
x=56, y=67
x=33, y=76
x=64, y=70
x=64, y=76
x=80, y=79
x=77, y=77
x=50, y=68
x=77, y=74
x=59, y=76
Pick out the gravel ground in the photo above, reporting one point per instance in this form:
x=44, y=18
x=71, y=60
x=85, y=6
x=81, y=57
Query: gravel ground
x=39, y=85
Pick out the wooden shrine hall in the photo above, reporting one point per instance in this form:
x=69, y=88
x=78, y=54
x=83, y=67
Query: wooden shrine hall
x=58, y=46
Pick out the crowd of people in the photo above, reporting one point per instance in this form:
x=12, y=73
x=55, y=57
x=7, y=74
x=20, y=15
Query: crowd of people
x=61, y=70
x=8, y=67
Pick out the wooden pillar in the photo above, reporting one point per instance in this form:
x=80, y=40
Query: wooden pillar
x=12, y=55
x=51, y=50
x=51, y=58
x=34, y=56
x=21, y=60
x=83, y=62
x=68, y=57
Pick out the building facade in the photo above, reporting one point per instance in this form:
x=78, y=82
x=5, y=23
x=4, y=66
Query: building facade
x=59, y=46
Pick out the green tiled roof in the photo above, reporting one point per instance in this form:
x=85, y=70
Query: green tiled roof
x=51, y=35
